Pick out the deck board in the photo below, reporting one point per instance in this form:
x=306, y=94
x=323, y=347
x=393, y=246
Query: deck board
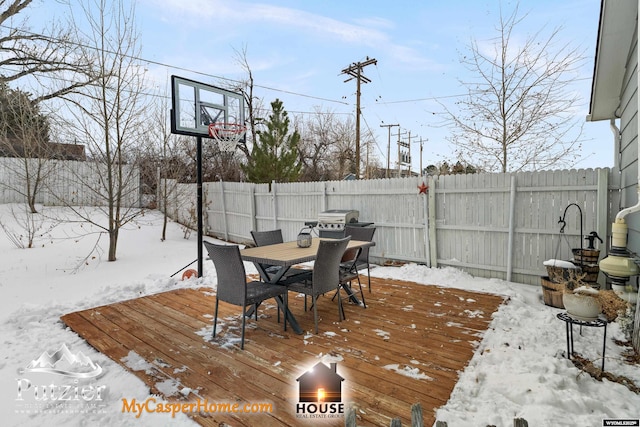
x=427, y=328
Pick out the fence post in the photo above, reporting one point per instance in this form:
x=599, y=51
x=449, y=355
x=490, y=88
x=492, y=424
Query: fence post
x=416, y=415
x=425, y=207
x=512, y=226
x=224, y=211
x=433, y=254
x=396, y=422
x=274, y=201
x=520, y=422
x=254, y=220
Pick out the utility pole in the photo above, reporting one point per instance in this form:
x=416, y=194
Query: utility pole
x=388, y=147
x=400, y=144
x=404, y=158
x=421, y=156
x=409, y=144
x=355, y=71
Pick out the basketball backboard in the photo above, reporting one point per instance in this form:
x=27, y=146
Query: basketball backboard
x=195, y=105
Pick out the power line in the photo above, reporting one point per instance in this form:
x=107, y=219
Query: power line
x=175, y=67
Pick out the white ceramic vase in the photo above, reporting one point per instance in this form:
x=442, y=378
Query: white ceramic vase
x=582, y=307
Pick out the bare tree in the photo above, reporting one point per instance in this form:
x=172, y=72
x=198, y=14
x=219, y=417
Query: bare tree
x=519, y=113
x=344, y=148
x=316, y=146
x=110, y=116
x=52, y=57
x=51, y=63
x=156, y=155
x=327, y=147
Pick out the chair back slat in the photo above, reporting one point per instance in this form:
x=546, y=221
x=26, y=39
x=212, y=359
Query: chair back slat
x=264, y=238
x=364, y=234
x=229, y=271
x=326, y=268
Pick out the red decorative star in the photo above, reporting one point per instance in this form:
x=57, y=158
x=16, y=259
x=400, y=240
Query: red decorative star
x=423, y=188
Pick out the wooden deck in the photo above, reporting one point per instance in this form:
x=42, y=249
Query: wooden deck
x=408, y=346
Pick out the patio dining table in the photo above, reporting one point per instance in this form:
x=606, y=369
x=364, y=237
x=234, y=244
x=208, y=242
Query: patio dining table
x=286, y=255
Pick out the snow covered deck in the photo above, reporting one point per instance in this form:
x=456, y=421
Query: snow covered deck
x=408, y=346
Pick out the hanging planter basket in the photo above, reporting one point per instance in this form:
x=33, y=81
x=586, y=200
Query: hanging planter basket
x=559, y=271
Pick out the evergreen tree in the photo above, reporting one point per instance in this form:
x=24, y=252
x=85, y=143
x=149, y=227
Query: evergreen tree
x=274, y=156
x=24, y=130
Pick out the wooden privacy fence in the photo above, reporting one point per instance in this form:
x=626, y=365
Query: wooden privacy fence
x=491, y=225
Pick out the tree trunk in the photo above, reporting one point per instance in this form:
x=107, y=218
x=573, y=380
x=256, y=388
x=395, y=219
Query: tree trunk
x=113, y=243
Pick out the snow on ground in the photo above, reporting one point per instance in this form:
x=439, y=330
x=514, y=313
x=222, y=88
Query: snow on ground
x=519, y=369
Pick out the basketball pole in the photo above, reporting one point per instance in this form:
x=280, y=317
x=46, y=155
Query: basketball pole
x=199, y=202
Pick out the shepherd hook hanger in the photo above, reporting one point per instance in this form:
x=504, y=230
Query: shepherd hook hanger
x=564, y=223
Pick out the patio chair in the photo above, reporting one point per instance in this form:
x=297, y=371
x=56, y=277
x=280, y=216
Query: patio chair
x=364, y=234
x=271, y=237
x=325, y=277
x=233, y=287
x=349, y=273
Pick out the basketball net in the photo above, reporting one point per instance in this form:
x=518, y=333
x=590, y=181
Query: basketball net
x=227, y=135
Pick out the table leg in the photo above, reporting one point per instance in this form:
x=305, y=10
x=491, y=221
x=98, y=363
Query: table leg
x=352, y=295
x=289, y=315
x=264, y=276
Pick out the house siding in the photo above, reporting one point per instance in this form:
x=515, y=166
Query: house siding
x=628, y=155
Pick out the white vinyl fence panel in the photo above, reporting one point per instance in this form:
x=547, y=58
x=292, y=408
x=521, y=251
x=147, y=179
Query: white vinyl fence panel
x=63, y=182
x=491, y=225
x=487, y=219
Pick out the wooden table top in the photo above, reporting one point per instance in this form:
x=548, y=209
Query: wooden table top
x=288, y=253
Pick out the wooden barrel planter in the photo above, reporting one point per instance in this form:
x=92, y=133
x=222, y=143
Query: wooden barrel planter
x=587, y=259
x=586, y=256
x=552, y=292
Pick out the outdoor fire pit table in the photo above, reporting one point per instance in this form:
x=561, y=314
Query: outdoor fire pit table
x=595, y=323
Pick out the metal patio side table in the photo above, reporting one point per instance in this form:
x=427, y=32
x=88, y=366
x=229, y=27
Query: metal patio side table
x=596, y=323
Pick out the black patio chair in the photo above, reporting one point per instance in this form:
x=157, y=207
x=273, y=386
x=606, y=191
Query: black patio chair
x=272, y=237
x=364, y=234
x=233, y=287
x=349, y=273
x=325, y=277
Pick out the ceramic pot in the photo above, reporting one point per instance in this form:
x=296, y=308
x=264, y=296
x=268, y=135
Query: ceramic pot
x=581, y=307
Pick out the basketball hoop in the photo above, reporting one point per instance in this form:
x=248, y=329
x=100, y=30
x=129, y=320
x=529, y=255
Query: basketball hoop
x=227, y=135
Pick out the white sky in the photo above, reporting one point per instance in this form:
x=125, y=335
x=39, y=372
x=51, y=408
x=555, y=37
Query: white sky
x=296, y=51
